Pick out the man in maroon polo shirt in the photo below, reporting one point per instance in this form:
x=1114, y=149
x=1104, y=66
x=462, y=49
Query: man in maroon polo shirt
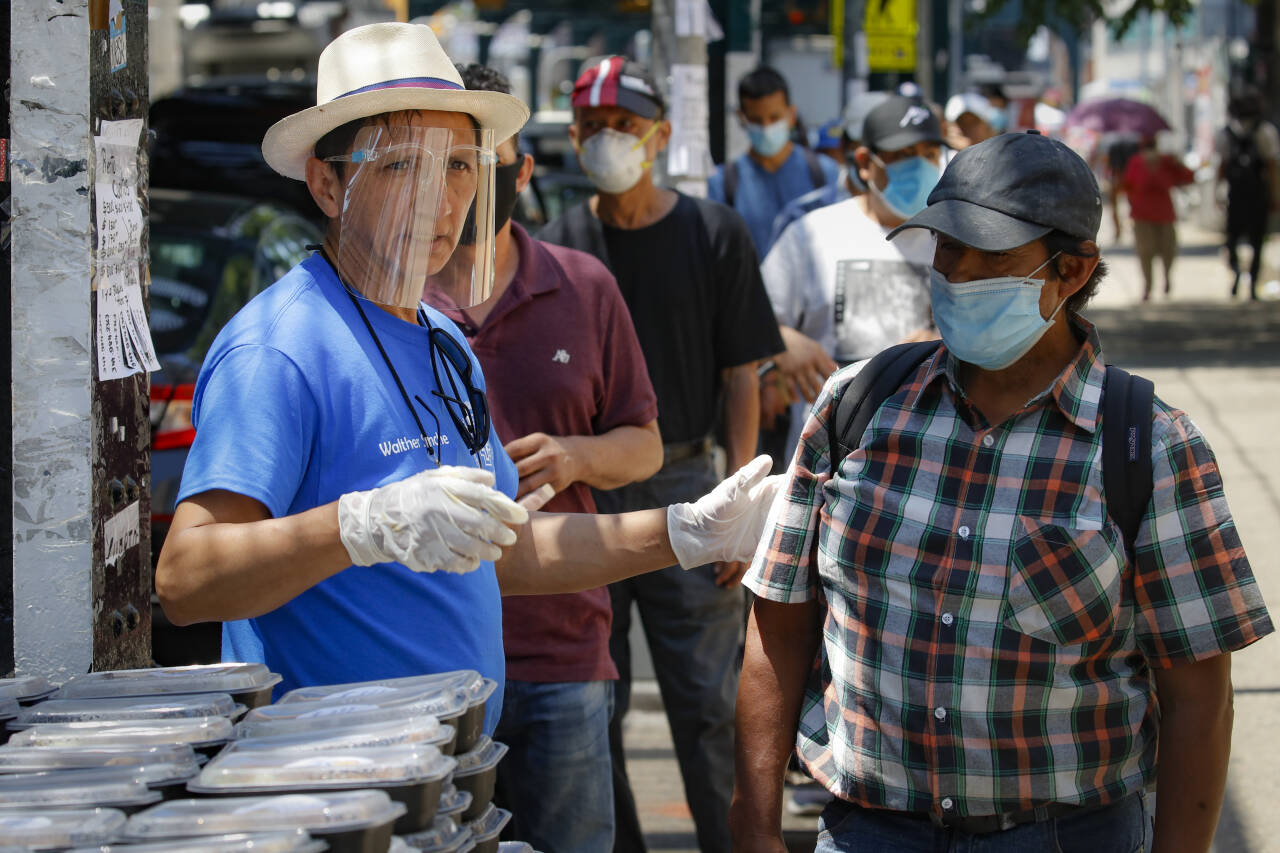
x=571, y=399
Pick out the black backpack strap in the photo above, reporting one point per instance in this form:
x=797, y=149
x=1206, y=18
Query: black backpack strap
x=1126, y=450
x=858, y=401
x=730, y=182
x=816, y=176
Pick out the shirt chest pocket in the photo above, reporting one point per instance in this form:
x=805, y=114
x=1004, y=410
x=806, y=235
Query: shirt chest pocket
x=1064, y=583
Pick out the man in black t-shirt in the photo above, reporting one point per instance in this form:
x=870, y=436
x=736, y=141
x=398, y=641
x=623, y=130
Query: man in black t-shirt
x=691, y=279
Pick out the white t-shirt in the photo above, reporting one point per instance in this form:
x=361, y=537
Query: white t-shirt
x=833, y=276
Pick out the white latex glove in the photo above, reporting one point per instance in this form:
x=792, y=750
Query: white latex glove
x=726, y=523
x=444, y=519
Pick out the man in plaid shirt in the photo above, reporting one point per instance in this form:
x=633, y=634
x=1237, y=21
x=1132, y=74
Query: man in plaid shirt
x=949, y=630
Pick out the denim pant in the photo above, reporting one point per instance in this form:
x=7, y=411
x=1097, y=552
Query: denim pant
x=1124, y=827
x=556, y=778
x=694, y=630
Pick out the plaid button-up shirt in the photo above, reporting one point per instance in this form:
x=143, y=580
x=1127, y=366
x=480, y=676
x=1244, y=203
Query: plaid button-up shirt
x=987, y=646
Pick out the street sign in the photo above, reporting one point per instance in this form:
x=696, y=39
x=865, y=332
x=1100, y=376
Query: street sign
x=891, y=29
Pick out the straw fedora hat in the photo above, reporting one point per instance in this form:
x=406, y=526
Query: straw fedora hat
x=382, y=68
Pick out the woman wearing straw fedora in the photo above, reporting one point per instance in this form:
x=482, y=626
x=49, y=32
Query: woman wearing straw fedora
x=344, y=501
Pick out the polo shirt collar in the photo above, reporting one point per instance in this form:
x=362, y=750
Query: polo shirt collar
x=1077, y=390
x=535, y=275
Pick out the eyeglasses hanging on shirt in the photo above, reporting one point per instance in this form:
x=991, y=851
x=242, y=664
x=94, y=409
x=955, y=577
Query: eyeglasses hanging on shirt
x=466, y=405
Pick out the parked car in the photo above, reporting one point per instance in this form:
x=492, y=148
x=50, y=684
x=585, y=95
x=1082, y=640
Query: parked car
x=210, y=254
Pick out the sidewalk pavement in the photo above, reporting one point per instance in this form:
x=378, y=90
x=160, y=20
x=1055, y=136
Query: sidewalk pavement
x=1220, y=361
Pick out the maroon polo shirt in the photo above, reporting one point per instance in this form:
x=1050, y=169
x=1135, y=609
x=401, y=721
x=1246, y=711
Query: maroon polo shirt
x=560, y=356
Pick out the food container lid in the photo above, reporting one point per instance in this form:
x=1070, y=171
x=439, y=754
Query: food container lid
x=9, y=708
x=267, y=770
x=319, y=812
x=489, y=824
x=445, y=835
x=515, y=847
x=85, y=788
x=25, y=687
x=38, y=829
x=198, y=731
x=453, y=801
x=443, y=702
x=397, y=845
x=128, y=708
x=467, y=680
x=297, y=841
x=422, y=728
x=301, y=717
x=34, y=759
x=203, y=678
x=485, y=755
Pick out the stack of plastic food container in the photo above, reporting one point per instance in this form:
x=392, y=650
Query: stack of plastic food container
x=53, y=829
x=162, y=768
x=17, y=693
x=249, y=684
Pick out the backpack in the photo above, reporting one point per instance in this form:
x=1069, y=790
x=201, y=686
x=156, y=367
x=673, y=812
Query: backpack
x=1244, y=167
x=1126, y=427
x=816, y=175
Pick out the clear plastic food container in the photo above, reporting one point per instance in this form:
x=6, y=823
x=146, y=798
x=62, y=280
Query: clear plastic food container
x=515, y=847
x=9, y=708
x=178, y=707
x=315, y=717
x=45, y=829
x=452, y=801
x=118, y=787
x=420, y=729
x=349, y=821
x=412, y=775
x=477, y=774
x=469, y=722
x=485, y=828
x=26, y=688
x=445, y=835
x=202, y=733
x=248, y=683
x=297, y=841
x=33, y=759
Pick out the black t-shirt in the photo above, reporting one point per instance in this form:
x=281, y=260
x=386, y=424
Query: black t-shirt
x=692, y=283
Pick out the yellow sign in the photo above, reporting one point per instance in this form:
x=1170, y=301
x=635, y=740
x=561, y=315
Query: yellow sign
x=891, y=28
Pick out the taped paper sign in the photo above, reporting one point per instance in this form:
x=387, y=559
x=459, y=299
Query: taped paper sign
x=115, y=35
x=123, y=335
x=689, y=151
x=121, y=532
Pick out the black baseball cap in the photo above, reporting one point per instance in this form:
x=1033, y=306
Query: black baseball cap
x=617, y=82
x=1010, y=190
x=898, y=123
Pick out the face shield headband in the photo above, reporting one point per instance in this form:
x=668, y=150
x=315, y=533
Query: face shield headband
x=408, y=192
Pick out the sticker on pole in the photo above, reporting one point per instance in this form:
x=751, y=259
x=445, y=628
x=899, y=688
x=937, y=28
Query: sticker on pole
x=119, y=51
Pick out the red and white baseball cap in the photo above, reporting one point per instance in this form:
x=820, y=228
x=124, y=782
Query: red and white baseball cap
x=617, y=82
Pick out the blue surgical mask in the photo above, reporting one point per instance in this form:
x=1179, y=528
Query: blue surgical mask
x=910, y=182
x=1000, y=121
x=769, y=139
x=990, y=322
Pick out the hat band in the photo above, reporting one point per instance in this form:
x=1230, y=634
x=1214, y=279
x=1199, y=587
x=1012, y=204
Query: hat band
x=405, y=83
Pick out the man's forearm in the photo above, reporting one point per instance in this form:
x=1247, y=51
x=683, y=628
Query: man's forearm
x=1195, y=747
x=782, y=640
x=625, y=454
x=741, y=415
x=240, y=569
x=571, y=552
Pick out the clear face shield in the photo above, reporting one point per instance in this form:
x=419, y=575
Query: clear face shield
x=409, y=191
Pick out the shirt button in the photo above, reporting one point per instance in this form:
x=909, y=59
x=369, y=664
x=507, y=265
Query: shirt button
x=947, y=804
x=964, y=531
x=939, y=714
x=987, y=441
x=947, y=618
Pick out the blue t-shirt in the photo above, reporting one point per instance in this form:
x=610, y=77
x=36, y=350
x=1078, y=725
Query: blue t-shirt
x=761, y=195
x=295, y=407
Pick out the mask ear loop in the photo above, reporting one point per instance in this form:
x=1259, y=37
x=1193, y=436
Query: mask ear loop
x=640, y=142
x=1030, y=275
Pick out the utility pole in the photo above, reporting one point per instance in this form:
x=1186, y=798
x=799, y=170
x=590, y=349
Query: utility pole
x=80, y=342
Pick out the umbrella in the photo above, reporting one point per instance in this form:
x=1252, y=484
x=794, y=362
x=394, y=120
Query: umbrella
x=1116, y=115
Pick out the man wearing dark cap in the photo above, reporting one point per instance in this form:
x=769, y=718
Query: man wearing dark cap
x=690, y=277
x=952, y=630
x=838, y=288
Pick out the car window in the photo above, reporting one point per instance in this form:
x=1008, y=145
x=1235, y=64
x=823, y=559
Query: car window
x=198, y=282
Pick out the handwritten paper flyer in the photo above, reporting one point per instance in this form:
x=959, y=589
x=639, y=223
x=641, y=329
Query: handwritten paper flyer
x=123, y=335
x=121, y=532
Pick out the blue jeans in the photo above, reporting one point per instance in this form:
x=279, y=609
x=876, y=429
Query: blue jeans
x=1123, y=827
x=556, y=779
